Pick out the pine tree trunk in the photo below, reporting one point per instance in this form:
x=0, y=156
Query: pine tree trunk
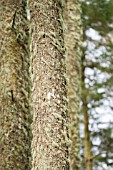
x=87, y=142
x=14, y=87
x=49, y=150
x=73, y=32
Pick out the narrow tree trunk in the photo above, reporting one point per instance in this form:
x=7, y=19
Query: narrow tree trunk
x=87, y=143
x=49, y=148
x=73, y=32
x=14, y=87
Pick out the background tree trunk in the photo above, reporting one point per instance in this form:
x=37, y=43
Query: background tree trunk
x=72, y=38
x=87, y=143
x=49, y=148
x=14, y=86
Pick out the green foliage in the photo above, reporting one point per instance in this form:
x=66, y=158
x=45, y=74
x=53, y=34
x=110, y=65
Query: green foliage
x=98, y=14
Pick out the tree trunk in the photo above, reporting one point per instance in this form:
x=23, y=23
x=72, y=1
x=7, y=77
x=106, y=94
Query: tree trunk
x=87, y=142
x=73, y=32
x=49, y=150
x=14, y=87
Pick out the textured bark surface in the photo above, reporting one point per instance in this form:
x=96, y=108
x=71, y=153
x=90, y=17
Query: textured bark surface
x=49, y=148
x=87, y=143
x=14, y=86
x=72, y=38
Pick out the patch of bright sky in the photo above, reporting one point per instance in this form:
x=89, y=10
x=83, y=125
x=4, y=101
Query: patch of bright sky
x=89, y=71
x=93, y=34
x=92, y=76
x=103, y=166
x=110, y=25
x=93, y=53
x=97, y=141
x=104, y=112
x=102, y=77
x=100, y=90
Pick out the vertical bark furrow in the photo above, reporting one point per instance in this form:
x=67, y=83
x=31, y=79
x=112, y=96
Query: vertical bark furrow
x=15, y=116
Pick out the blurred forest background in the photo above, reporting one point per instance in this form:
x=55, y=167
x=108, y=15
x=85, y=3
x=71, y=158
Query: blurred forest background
x=97, y=90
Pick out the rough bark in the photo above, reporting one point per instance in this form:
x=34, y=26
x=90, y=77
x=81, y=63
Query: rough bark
x=49, y=150
x=87, y=142
x=72, y=39
x=14, y=86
